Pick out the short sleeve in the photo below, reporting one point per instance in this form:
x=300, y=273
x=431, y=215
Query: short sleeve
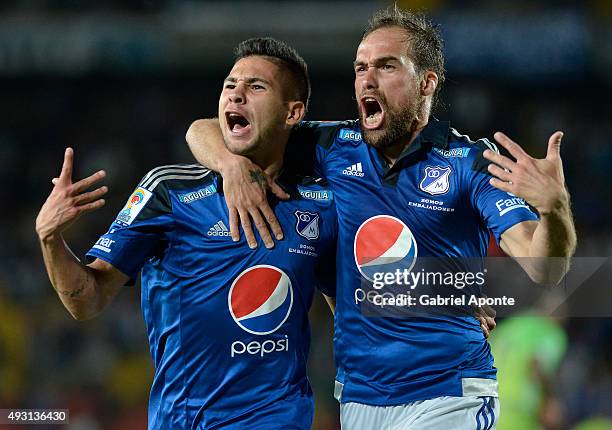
x=317, y=137
x=498, y=209
x=139, y=232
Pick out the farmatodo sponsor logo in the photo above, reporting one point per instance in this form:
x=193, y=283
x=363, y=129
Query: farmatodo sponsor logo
x=506, y=205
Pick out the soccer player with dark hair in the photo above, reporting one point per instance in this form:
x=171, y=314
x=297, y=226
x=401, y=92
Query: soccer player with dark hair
x=227, y=326
x=408, y=186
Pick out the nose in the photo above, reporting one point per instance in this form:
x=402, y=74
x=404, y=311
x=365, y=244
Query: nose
x=236, y=95
x=369, y=79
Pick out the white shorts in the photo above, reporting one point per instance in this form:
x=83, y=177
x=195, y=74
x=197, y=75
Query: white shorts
x=445, y=413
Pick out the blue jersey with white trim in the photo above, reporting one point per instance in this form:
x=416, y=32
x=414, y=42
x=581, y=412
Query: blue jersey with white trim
x=435, y=201
x=227, y=326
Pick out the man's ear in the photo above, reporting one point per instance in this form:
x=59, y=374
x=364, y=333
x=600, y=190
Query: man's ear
x=295, y=113
x=429, y=83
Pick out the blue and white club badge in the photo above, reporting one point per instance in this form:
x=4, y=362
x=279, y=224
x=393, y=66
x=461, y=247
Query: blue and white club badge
x=436, y=180
x=307, y=224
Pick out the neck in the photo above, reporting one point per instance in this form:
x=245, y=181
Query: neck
x=271, y=160
x=274, y=168
x=392, y=153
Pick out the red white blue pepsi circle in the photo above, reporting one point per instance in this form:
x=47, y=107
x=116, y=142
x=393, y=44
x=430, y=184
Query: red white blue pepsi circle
x=260, y=299
x=384, y=244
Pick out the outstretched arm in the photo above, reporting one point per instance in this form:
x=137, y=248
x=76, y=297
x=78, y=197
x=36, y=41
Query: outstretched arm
x=84, y=290
x=245, y=185
x=550, y=242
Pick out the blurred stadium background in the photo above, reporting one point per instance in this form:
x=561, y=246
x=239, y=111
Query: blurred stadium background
x=120, y=81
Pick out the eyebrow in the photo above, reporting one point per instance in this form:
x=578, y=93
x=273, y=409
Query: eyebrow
x=378, y=61
x=248, y=80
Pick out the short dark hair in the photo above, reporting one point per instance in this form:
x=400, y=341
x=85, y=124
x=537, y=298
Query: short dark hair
x=283, y=56
x=423, y=37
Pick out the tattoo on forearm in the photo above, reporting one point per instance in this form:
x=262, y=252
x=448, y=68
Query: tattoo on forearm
x=258, y=176
x=75, y=293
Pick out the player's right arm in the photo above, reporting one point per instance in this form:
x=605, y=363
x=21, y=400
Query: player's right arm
x=83, y=289
x=245, y=185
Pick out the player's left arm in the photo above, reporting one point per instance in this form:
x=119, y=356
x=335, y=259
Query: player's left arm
x=550, y=241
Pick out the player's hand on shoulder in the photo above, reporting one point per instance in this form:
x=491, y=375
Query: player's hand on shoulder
x=245, y=187
x=538, y=181
x=68, y=200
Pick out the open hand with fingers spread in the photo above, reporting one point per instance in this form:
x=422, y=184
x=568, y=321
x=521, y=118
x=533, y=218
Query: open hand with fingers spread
x=540, y=182
x=68, y=200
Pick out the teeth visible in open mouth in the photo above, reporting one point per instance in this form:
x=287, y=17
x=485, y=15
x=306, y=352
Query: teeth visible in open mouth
x=373, y=119
x=373, y=110
x=236, y=121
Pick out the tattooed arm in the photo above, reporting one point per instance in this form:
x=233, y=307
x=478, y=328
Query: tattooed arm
x=258, y=177
x=84, y=290
x=245, y=185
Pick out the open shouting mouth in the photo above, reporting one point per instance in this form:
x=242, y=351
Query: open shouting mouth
x=237, y=123
x=372, y=112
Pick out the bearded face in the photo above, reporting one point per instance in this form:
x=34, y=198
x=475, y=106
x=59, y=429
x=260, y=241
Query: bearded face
x=387, y=88
x=397, y=122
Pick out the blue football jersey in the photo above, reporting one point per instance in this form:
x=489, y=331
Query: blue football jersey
x=227, y=326
x=435, y=201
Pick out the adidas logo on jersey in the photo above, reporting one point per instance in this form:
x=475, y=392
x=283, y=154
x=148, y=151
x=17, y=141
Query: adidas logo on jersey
x=354, y=170
x=219, y=229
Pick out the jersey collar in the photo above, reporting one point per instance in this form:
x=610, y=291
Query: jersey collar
x=434, y=133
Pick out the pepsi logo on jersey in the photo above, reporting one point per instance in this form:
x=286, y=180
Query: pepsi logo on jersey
x=260, y=301
x=384, y=244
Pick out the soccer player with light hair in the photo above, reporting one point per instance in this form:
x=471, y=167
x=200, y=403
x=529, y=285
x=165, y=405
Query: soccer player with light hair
x=408, y=187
